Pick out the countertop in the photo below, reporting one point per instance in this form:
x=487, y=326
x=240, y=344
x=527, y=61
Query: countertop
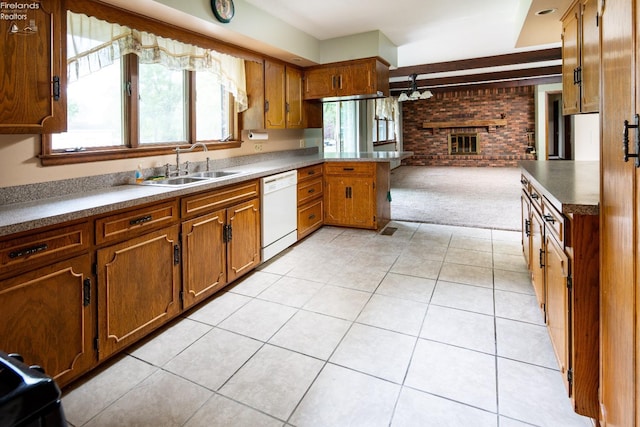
x=573, y=187
x=18, y=217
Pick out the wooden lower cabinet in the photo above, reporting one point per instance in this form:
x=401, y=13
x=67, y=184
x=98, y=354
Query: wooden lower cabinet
x=563, y=262
x=138, y=288
x=204, y=269
x=243, y=243
x=356, y=194
x=537, y=258
x=48, y=318
x=217, y=248
x=310, y=202
x=556, y=271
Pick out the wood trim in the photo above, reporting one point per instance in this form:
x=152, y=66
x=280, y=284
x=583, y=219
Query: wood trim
x=465, y=124
x=483, y=77
x=483, y=62
x=51, y=159
x=494, y=85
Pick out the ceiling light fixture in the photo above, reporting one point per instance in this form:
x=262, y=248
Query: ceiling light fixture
x=545, y=11
x=412, y=93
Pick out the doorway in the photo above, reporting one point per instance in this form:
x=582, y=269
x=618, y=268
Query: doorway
x=558, y=129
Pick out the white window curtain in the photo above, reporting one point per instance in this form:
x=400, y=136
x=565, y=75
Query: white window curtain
x=93, y=44
x=386, y=108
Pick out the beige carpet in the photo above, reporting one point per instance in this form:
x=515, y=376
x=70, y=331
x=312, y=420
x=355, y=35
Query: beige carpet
x=472, y=197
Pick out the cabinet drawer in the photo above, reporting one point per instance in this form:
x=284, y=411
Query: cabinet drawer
x=554, y=222
x=309, y=190
x=309, y=172
x=220, y=198
x=310, y=218
x=350, y=168
x=135, y=222
x=38, y=248
x=536, y=197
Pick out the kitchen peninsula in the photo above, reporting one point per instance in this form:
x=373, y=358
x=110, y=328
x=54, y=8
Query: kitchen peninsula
x=560, y=237
x=107, y=266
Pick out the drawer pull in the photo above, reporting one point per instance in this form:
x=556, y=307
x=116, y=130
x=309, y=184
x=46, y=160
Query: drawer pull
x=141, y=220
x=549, y=218
x=534, y=196
x=28, y=251
x=312, y=216
x=313, y=190
x=311, y=172
x=523, y=182
x=347, y=169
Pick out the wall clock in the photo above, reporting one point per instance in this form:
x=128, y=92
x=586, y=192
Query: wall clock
x=223, y=10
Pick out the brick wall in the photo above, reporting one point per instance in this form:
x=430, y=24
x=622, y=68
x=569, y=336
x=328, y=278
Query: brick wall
x=499, y=146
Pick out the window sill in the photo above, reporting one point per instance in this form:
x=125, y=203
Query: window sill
x=98, y=155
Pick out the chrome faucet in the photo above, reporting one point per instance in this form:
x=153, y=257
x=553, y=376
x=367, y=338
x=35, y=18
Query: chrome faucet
x=186, y=150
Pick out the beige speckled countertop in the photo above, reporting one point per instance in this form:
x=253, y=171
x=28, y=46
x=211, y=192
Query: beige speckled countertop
x=18, y=217
x=573, y=187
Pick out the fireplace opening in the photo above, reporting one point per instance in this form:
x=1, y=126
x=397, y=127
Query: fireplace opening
x=464, y=143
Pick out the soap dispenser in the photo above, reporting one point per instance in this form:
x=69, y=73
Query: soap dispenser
x=139, y=174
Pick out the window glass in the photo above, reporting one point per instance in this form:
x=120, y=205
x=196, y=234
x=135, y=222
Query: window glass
x=162, y=104
x=212, y=108
x=382, y=130
x=94, y=111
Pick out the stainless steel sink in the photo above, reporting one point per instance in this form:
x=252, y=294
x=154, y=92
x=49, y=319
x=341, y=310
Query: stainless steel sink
x=214, y=174
x=192, y=179
x=176, y=181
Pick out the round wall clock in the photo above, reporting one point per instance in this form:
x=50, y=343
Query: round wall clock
x=223, y=10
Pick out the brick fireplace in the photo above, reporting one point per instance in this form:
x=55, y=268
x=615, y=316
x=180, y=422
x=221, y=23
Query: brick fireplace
x=501, y=118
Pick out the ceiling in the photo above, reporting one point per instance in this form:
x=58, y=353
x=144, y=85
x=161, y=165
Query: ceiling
x=429, y=31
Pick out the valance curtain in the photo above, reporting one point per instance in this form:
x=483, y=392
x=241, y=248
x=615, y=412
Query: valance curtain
x=93, y=44
x=386, y=108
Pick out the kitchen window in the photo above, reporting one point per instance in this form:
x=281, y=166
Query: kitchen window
x=134, y=94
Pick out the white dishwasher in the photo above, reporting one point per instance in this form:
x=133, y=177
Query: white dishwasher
x=279, y=213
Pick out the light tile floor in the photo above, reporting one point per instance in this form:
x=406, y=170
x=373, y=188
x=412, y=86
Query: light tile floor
x=431, y=326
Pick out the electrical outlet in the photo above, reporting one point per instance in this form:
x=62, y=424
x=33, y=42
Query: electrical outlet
x=302, y=143
x=257, y=147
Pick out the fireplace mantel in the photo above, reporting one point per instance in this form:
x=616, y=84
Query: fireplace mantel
x=491, y=124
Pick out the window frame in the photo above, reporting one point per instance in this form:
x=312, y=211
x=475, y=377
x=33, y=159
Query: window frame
x=131, y=148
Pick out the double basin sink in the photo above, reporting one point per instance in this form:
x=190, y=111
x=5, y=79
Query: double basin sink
x=191, y=179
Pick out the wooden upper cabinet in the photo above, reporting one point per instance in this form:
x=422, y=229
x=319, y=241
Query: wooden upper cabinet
x=34, y=75
x=590, y=57
x=275, y=96
x=294, y=98
x=581, y=58
x=362, y=78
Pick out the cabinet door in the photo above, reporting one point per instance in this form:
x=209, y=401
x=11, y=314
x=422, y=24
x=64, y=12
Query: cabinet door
x=336, y=201
x=203, y=257
x=570, y=62
x=47, y=317
x=138, y=288
x=275, y=108
x=319, y=83
x=526, y=228
x=243, y=247
x=537, y=257
x=558, y=320
x=294, y=96
x=362, y=200
x=358, y=78
x=590, y=57
x=618, y=219
x=33, y=79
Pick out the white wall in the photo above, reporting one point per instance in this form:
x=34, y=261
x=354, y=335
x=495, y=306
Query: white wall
x=586, y=137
